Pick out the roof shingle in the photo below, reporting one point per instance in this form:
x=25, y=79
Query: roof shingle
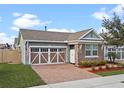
x=28, y=34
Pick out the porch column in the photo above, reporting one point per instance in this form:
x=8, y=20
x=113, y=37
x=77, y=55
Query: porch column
x=76, y=54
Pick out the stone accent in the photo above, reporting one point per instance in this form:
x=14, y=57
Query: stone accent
x=81, y=53
x=76, y=54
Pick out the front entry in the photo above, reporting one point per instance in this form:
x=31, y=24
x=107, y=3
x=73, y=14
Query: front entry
x=47, y=55
x=72, y=54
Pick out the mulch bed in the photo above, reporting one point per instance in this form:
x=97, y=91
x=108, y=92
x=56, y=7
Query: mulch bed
x=105, y=70
x=83, y=67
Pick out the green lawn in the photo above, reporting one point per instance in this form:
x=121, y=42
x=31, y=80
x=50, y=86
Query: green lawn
x=109, y=73
x=18, y=76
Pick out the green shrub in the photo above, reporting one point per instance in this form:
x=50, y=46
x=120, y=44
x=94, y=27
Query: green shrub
x=85, y=63
x=94, y=63
x=102, y=62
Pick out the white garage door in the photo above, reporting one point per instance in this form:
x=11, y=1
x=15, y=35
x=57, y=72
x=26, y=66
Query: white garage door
x=47, y=55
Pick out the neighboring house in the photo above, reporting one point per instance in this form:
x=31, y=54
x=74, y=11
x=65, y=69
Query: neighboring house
x=5, y=46
x=113, y=48
x=46, y=47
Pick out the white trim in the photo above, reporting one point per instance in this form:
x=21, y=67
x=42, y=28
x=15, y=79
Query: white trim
x=48, y=46
x=91, y=38
x=86, y=41
x=29, y=55
x=91, y=56
x=46, y=41
x=57, y=55
x=24, y=52
x=90, y=41
x=48, y=56
x=49, y=63
x=39, y=56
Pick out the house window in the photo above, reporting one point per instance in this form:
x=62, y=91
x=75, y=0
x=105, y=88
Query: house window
x=91, y=50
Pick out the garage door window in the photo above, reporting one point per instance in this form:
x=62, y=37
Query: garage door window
x=34, y=49
x=53, y=50
x=44, y=49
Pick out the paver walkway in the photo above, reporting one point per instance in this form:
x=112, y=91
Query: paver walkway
x=62, y=73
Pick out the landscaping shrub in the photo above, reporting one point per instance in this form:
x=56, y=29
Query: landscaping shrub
x=102, y=62
x=93, y=68
x=107, y=66
x=85, y=63
x=94, y=63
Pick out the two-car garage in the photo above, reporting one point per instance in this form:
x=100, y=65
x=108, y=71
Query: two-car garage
x=47, y=55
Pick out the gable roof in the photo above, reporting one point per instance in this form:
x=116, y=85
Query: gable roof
x=77, y=35
x=89, y=32
x=44, y=35
x=29, y=34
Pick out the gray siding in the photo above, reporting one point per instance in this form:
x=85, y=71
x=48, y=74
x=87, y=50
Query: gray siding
x=46, y=44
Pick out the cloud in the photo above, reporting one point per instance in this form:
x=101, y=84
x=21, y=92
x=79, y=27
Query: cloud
x=62, y=30
x=119, y=10
x=6, y=39
x=102, y=29
x=101, y=14
x=15, y=14
x=28, y=21
x=15, y=28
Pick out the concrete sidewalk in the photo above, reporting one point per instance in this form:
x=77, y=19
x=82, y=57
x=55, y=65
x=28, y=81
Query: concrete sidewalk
x=100, y=82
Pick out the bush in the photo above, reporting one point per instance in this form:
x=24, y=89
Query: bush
x=93, y=68
x=102, y=62
x=85, y=63
x=107, y=66
x=94, y=63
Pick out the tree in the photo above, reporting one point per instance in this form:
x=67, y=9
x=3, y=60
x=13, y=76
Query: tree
x=115, y=28
x=112, y=56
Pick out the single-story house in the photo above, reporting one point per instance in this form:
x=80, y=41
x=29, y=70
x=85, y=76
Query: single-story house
x=46, y=47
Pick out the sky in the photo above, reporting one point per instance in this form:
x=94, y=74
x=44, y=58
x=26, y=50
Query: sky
x=62, y=18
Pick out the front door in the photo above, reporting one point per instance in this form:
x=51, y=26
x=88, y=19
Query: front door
x=72, y=54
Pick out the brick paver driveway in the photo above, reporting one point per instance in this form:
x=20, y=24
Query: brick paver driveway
x=61, y=73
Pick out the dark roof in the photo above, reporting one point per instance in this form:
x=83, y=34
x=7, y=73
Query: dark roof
x=28, y=34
